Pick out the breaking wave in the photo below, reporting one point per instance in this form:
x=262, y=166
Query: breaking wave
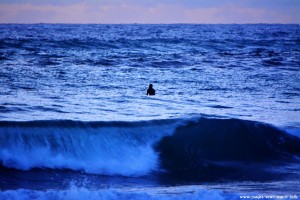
x=144, y=147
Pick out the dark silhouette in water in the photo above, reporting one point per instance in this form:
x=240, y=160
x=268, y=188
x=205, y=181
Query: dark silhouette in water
x=150, y=90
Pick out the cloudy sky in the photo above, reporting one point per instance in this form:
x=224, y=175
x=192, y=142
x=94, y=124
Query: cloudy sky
x=150, y=11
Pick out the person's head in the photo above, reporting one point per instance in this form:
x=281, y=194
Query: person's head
x=150, y=86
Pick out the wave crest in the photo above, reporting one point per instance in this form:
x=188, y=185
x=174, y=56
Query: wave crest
x=94, y=147
x=202, y=146
x=214, y=146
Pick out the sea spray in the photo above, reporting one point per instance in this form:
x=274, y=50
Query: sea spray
x=116, y=148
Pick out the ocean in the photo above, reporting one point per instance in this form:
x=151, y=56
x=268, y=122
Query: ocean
x=76, y=123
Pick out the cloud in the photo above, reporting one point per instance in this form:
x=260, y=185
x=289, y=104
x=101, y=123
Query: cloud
x=149, y=11
x=122, y=13
x=151, y=3
x=234, y=14
x=28, y=13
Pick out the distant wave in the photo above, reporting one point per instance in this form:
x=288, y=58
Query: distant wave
x=139, y=148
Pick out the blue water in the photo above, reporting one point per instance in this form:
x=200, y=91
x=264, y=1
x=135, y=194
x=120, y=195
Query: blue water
x=75, y=121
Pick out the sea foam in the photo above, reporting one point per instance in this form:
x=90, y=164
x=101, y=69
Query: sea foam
x=100, y=148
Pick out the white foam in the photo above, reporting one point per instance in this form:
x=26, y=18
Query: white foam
x=110, y=150
x=112, y=194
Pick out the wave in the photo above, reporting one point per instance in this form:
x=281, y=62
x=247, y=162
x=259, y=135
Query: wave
x=111, y=194
x=140, y=148
x=215, y=147
x=110, y=148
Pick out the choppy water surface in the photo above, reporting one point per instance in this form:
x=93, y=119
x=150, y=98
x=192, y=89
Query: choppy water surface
x=101, y=72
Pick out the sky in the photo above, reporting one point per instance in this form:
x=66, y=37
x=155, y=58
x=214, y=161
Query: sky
x=150, y=11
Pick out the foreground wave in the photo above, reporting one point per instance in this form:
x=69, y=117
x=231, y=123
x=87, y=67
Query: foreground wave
x=112, y=194
x=140, y=148
x=113, y=148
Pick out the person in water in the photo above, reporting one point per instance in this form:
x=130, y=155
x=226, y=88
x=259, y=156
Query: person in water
x=150, y=90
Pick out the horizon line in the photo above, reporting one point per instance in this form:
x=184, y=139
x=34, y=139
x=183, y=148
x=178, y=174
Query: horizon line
x=137, y=23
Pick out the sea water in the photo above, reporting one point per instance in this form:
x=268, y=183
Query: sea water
x=76, y=123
